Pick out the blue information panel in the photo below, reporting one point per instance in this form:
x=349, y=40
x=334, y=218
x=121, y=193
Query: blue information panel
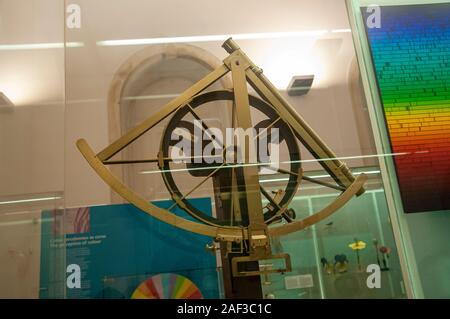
x=118, y=248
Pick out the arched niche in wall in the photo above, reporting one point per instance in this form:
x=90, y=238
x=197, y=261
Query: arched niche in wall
x=361, y=113
x=144, y=83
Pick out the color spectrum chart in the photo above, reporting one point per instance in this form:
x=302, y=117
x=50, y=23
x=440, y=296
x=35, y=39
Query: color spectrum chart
x=411, y=56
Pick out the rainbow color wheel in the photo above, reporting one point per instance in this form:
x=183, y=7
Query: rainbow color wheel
x=167, y=286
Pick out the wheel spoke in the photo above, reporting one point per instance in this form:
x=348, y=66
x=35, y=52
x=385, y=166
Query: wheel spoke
x=205, y=127
x=198, y=185
x=269, y=198
x=155, y=160
x=150, y=160
x=309, y=179
x=282, y=171
x=233, y=213
x=267, y=128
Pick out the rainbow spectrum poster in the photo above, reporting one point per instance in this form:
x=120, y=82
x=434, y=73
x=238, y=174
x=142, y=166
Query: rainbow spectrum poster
x=411, y=56
x=125, y=253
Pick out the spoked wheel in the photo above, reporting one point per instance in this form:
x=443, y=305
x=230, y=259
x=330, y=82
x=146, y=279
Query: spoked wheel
x=219, y=165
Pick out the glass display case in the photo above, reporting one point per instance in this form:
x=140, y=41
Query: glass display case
x=94, y=72
x=31, y=143
x=325, y=264
x=23, y=262
x=419, y=30
x=124, y=73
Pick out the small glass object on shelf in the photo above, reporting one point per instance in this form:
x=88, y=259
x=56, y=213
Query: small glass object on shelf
x=358, y=245
x=385, y=251
x=327, y=266
x=340, y=263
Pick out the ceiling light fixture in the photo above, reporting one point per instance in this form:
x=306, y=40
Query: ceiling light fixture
x=30, y=200
x=212, y=38
x=341, y=31
x=40, y=46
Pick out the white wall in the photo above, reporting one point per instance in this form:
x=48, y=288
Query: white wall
x=20, y=254
x=32, y=150
x=31, y=136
